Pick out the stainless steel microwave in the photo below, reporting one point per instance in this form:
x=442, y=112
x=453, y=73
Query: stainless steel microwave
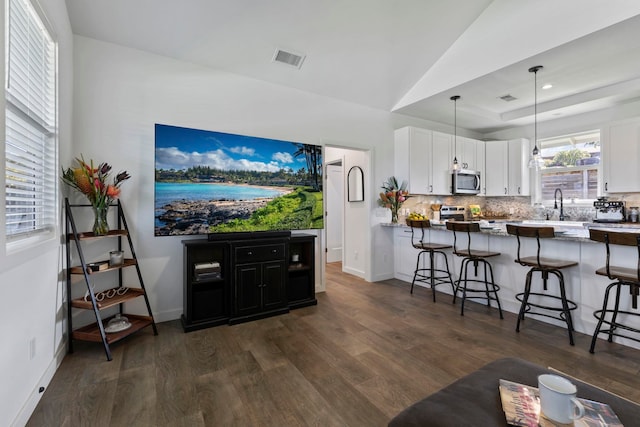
x=465, y=182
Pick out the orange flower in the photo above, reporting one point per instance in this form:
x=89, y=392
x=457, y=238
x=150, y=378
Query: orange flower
x=113, y=191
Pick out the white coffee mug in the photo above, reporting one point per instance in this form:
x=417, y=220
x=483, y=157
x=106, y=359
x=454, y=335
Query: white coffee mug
x=558, y=400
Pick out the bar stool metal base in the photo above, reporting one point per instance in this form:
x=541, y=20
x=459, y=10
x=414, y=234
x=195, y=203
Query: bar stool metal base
x=431, y=275
x=613, y=313
x=563, y=309
x=490, y=290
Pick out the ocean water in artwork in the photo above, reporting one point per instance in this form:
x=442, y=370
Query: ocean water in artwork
x=167, y=192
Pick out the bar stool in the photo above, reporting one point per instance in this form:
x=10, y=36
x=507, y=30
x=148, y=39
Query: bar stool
x=622, y=276
x=430, y=275
x=545, y=266
x=474, y=257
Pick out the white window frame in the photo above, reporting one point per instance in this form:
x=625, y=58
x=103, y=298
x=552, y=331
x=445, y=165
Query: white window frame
x=23, y=103
x=538, y=173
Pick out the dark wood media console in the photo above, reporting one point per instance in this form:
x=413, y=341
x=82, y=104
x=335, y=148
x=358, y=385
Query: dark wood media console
x=240, y=277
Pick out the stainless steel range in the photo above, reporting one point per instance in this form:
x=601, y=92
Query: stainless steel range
x=609, y=211
x=452, y=212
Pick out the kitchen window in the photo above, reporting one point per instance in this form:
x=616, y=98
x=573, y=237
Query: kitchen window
x=30, y=125
x=571, y=163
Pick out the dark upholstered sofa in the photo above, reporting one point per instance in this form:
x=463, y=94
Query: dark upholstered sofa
x=474, y=400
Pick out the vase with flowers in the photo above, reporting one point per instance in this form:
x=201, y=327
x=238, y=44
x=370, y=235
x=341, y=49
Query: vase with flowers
x=93, y=183
x=393, y=196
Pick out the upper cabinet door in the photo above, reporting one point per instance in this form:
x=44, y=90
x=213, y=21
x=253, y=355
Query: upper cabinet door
x=496, y=168
x=519, y=167
x=420, y=161
x=620, y=157
x=412, y=159
x=442, y=159
x=480, y=166
x=466, y=153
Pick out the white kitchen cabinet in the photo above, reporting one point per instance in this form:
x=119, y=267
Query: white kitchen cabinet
x=518, y=167
x=441, y=162
x=506, y=168
x=496, y=179
x=480, y=166
x=466, y=153
x=405, y=255
x=620, y=157
x=422, y=157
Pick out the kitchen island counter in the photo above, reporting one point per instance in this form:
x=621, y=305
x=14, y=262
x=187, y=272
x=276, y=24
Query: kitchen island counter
x=572, y=243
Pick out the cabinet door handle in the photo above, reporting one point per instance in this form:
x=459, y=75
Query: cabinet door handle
x=505, y=190
x=249, y=253
x=606, y=186
x=518, y=190
x=273, y=251
x=431, y=189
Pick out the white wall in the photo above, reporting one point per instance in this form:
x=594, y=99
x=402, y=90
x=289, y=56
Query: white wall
x=31, y=285
x=121, y=93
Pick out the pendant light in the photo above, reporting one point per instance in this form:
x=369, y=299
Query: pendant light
x=455, y=166
x=536, y=159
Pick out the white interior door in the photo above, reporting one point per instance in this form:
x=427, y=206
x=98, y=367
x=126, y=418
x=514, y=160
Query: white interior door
x=335, y=206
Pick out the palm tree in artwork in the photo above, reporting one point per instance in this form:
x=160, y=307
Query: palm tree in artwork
x=313, y=157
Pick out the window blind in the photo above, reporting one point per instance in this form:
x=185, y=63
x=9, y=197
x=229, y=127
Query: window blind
x=31, y=124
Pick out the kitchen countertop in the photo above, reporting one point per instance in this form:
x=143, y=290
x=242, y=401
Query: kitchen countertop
x=564, y=230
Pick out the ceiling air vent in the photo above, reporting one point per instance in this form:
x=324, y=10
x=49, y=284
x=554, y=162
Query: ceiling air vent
x=288, y=58
x=508, y=98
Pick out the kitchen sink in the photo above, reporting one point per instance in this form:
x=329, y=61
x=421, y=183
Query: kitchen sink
x=558, y=224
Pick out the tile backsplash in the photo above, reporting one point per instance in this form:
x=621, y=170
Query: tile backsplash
x=512, y=207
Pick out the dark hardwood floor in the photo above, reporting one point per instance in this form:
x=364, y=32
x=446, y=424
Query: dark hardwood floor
x=366, y=351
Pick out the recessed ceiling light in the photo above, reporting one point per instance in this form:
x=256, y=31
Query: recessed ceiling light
x=547, y=86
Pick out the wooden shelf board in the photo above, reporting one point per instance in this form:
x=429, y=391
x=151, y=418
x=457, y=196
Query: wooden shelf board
x=90, y=235
x=108, y=302
x=92, y=332
x=128, y=262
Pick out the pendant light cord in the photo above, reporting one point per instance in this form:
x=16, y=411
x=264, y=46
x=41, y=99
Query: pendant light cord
x=455, y=130
x=535, y=70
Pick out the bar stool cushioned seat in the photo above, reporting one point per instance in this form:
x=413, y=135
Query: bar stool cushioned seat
x=430, y=275
x=615, y=317
x=489, y=289
x=544, y=266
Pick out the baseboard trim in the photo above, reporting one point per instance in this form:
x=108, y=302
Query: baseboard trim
x=358, y=273
x=36, y=395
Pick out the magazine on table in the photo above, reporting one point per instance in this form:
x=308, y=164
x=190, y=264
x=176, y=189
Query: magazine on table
x=521, y=406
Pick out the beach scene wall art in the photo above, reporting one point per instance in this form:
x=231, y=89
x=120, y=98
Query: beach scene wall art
x=214, y=182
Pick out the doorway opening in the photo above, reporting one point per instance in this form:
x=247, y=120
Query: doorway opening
x=347, y=232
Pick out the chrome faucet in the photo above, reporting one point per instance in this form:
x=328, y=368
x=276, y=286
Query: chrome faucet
x=555, y=203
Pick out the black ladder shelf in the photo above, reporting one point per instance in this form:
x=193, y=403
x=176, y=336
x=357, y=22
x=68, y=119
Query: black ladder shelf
x=101, y=300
